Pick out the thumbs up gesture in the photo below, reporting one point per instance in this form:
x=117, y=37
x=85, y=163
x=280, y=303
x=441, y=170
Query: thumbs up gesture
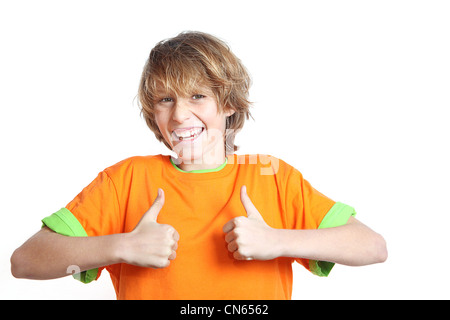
x=151, y=244
x=250, y=237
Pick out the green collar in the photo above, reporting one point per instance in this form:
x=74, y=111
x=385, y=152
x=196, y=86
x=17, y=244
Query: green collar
x=200, y=171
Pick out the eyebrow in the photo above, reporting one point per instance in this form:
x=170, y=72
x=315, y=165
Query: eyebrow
x=204, y=90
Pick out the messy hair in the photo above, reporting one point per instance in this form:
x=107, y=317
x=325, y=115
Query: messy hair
x=182, y=64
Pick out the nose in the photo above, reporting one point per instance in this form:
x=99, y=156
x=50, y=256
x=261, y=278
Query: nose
x=181, y=111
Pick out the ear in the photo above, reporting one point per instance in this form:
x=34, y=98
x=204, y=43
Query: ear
x=228, y=111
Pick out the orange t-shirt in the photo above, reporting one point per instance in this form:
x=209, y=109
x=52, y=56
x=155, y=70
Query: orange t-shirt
x=198, y=205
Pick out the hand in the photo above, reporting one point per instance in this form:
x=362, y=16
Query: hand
x=151, y=244
x=250, y=237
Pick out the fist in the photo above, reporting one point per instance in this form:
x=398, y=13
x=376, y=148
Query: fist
x=250, y=237
x=151, y=244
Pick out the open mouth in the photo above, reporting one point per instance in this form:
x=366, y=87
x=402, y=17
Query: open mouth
x=187, y=134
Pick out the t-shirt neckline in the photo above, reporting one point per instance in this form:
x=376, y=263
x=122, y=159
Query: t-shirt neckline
x=202, y=170
x=205, y=175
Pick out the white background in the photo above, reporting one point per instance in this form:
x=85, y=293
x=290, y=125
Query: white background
x=354, y=94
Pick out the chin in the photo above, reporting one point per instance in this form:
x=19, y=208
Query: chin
x=188, y=155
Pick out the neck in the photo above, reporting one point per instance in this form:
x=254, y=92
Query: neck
x=198, y=168
x=208, y=161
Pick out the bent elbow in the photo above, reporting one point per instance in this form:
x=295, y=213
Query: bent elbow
x=17, y=265
x=381, y=252
x=20, y=266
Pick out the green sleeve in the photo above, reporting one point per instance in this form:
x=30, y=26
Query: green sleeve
x=65, y=223
x=337, y=216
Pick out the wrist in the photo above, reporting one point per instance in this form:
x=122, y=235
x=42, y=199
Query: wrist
x=118, y=247
x=287, y=243
x=281, y=245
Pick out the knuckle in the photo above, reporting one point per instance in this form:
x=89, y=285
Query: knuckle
x=156, y=264
x=168, y=242
x=166, y=252
x=172, y=232
x=165, y=263
x=167, y=228
x=168, y=231
x=162, y=263
x=238, y=221
x=239, y=255
x=244, y=254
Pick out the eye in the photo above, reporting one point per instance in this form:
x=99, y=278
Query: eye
x=166, y=99
x=198, y=96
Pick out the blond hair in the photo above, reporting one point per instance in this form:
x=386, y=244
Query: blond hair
x=191, y=59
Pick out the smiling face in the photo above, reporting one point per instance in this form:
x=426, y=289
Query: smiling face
x=194, y=127
x=188, y=67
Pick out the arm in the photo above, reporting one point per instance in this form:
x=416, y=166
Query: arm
x=47, y=255
x=352, y=244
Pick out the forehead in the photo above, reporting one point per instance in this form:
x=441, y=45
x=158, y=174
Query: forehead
x=162, y=89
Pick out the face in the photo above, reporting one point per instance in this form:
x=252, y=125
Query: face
x=193, y=127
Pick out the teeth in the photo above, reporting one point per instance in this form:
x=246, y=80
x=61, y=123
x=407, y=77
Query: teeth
x=184, y=134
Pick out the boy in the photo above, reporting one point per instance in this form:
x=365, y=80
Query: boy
x=206, y=224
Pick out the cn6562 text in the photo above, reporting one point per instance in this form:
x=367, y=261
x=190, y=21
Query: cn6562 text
x=229, y=309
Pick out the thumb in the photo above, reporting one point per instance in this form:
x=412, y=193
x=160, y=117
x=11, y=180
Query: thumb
x=249, y=207
x=153, y=212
